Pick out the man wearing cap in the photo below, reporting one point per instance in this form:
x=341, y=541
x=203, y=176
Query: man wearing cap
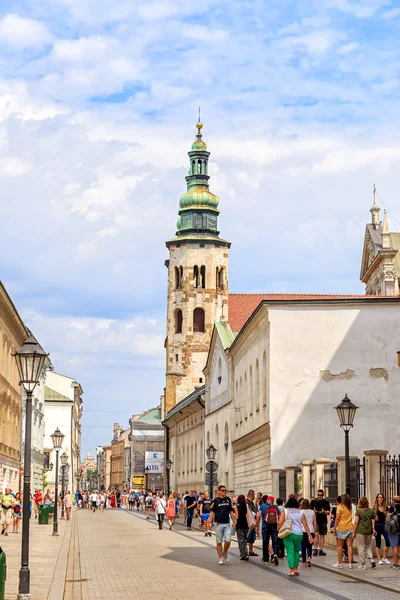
x=7, y=504
x=269, y=514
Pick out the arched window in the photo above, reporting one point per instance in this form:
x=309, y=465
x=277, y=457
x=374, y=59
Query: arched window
x=250, y=399
x=203, y=277
x=219, y=370
x=176, y=278
x=199, y=167
x=193, y=167
x=180, y=277
x=226, y=436
x=264, y=380
x=245, y=395
x=220, y=278
x=196, y=276
x=178, y=321
x=198, y=320
x=199, y=221
x=257, y=387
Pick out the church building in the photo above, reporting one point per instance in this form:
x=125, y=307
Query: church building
x=258, y=375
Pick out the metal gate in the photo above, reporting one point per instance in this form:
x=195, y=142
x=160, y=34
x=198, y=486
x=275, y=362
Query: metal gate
x=389, y=481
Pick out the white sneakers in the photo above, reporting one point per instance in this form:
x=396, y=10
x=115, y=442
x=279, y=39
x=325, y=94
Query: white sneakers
x=384, y=561
x=220, y=562
x=225, y=557
x=338, y=566
x=362, y=567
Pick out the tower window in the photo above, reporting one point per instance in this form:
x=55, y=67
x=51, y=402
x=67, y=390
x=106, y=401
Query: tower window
x=203, y=276
x=220, y=278
x=178, y=278
x=196, y=276
x=199, y=222
x=198, y=320
x=178, y=321
x=199, y=167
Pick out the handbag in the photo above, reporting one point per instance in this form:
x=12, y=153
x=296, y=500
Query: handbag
x=251, y=522
x=286, y=528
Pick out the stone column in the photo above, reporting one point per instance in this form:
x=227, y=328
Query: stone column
x=290, y=483
x=341, y=475
x=319, y=473
x=275, y=482
x=372, y=472
x=305, y=478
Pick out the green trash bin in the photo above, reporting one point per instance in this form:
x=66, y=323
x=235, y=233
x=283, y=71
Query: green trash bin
x=43, y=516
x=51, y=510
x=3, y=574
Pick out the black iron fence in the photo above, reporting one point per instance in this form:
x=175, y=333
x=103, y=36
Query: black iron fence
x=357, y=478
x=282, y=484
x=389, y=480
x=331, y=483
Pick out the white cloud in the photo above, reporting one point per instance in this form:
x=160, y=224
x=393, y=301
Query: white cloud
x=18, y=32
x=390, y=14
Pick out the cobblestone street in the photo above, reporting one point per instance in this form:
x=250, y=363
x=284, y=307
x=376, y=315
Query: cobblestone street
x=117, y=554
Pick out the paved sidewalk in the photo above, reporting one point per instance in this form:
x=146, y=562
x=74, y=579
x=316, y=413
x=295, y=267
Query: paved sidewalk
x=119, y=555
x=47, y=554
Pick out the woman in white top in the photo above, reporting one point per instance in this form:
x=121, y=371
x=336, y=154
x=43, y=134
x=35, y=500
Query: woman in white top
x=306, y=546
x=159, y=507
x=293, y=541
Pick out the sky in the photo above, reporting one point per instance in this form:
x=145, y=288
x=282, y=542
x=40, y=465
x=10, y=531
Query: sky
x=98, y=105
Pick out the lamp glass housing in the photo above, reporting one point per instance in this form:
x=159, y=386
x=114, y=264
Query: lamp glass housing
x=57, y=439
x=64, y=458
x=30, y=360
x=346, y=411
x=211, y=452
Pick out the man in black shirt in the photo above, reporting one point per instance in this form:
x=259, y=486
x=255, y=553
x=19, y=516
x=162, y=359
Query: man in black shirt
x=220, y=511
x=191, y=504
x=322, y=509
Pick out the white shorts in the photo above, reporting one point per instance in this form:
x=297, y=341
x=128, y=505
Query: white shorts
x=6, y=516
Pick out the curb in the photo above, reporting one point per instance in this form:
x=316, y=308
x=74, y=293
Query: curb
x=358, y=579
x=56, y=591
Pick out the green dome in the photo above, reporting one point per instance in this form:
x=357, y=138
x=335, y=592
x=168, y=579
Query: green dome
x=199, y=145
x=198, y=195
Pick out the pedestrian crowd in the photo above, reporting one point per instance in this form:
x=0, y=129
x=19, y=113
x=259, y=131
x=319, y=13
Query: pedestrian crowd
x=293, y=529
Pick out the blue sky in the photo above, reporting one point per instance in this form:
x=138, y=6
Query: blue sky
x=98, y=103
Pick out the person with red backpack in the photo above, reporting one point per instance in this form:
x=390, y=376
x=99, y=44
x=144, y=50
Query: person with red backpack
x=268, y=514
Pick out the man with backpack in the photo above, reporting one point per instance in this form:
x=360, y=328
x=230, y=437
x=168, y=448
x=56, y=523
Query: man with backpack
x=268, y=513
x=392, y=526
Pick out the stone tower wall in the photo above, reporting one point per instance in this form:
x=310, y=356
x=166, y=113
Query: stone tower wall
x=186, y=352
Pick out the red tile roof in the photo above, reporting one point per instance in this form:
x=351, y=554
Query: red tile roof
x=241, y=306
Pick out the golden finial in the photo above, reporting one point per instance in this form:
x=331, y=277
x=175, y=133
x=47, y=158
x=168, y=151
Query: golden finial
x=199, y=124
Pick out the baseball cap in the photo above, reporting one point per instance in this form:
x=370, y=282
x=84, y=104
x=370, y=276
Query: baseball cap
x=271, y=499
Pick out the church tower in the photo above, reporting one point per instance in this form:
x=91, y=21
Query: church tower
x=197, y=280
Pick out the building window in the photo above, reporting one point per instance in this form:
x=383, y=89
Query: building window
x=203, y=276
x=220, y=278
x=196, y=276
x=176, y=357
x=198, y=320
x=178, y=278
x=219, y=370
x=178, y=321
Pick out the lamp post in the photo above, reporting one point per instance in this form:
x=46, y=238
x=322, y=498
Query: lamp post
x=30, y=359
x=57, y=439
x=211, y=452
x=146, y=473
x=168, y=464
x=346, y=411
x=64, y=460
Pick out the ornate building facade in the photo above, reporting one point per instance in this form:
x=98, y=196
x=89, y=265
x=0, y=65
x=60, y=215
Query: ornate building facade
x=12, y=335
x=380, y=266
x=197, y=280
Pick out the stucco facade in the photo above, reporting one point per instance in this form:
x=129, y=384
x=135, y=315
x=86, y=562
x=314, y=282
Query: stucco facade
x=12, y=335
x=290, y=365
x=63, y=409
x=185, y=441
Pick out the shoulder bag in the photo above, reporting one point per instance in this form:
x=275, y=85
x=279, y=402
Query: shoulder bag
x=286, y=528
x=251, y=522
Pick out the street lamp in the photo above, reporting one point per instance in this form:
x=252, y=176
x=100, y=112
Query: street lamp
x=146, y=472
x=30, y=359
x=57, y=439
x=64, y=460
x=346, y=411
x=168, y=464
x=211, y=452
